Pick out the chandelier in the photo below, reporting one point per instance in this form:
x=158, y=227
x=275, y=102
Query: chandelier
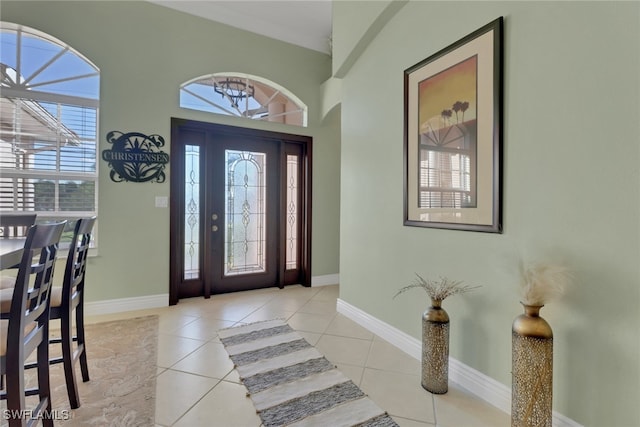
x=233, y=89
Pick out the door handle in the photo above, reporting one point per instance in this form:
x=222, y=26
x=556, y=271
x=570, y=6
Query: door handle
x=214, y=228
x=214, y=217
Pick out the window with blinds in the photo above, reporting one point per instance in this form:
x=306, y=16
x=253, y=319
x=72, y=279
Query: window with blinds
x=49, y=124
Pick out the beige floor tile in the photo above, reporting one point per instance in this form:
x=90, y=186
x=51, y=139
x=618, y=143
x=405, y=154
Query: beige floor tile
x=354, y=373
x=196, y=376
x=399, y=394
x=327, y=293
x=197, y=306
x=172, y=348
x=310, y=322
x=177, y=392
x=210, y=360
x=226, y=405
x=311, y=337
x=233, y=377
x=169, y=322
x=300, y=290
x=314, y=306
x=459, y=408
x=344, y=327
x=287, y=302
x=384, y=356
x=268, y=313
x=233, y=311
x=351, y=351
x=203, y=329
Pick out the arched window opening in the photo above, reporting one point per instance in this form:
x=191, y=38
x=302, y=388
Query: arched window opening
x=48, y=126
x=243, y=95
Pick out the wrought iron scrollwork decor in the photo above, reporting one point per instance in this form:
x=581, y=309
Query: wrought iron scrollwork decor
x=136, y=157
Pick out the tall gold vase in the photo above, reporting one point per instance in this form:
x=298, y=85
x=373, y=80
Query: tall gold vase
x=532, y=370
x=435, y=349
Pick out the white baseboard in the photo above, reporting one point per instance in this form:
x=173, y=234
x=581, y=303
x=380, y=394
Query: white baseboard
x=125, y=304
x=327, y=279
x=162, y=300
x=477, y=383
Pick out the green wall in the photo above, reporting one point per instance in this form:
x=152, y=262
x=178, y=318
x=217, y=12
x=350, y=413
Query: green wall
x=571, y=191
x=144, y=53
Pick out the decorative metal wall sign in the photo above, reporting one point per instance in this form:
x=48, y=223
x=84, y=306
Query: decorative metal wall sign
x=136, y=157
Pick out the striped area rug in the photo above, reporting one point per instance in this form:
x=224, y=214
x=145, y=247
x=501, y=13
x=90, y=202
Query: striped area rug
x=293, y=384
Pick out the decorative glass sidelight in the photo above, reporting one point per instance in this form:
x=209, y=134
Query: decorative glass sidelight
x=191, y=212
x=245, y=216
x=291, y=237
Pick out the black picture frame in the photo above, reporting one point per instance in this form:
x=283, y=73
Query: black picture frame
x=453, y=108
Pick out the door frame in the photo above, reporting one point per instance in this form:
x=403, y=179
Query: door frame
x=181, y=288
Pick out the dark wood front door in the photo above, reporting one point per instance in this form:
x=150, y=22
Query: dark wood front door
x=240, y=211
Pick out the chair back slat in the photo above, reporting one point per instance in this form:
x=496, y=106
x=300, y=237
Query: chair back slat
x=31, y=294
x=77, y=259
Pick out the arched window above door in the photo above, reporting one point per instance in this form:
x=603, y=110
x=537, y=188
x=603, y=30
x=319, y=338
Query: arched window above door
x=243, y=95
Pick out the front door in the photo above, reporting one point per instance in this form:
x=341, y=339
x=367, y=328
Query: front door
x=238, y=218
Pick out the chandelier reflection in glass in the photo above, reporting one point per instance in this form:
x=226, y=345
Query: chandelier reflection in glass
x=243, y=95
x=234, y=90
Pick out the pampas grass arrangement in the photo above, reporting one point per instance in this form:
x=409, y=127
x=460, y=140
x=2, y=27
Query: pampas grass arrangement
x=438, y=290
x=435, y=330
x=542, y=282
x=532, y=345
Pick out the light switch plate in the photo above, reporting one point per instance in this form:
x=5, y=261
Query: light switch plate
x=162, y=201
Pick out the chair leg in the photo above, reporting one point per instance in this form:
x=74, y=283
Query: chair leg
x=67, y=359
x=84, y=368
x=16, y=402
x=44, y=387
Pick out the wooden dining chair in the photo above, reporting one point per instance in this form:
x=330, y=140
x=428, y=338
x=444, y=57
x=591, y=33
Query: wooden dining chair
x=15, y=225
x=25, y=328
x=67, y=300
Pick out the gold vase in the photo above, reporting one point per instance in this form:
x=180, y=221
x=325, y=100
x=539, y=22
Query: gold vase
x=435, y=348
x=532, y=370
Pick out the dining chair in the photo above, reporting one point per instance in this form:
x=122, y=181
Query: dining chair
x=15, y=225
x=25, y=328
x=67, y=300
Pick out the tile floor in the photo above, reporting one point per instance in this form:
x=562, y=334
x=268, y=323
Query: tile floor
x=197, y=385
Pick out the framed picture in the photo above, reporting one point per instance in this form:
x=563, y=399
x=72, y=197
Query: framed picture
x=453, y=135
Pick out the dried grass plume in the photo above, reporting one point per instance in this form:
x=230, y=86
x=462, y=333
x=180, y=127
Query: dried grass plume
x=542, y=282
x=438, y=289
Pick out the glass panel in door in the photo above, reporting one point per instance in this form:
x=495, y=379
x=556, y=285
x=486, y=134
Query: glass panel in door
x=245, y=217
x=191, y=212
x=291, y=230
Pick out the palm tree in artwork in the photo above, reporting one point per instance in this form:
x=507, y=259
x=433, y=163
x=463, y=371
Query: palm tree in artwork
x=464, y=106
x=457, y=107
x=446, y=116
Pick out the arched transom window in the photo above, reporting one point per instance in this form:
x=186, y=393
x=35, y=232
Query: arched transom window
x=243, y=95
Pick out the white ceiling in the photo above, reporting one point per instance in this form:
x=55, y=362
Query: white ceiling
x=305, y=23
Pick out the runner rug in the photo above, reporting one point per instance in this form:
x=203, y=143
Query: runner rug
x=293, y=384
